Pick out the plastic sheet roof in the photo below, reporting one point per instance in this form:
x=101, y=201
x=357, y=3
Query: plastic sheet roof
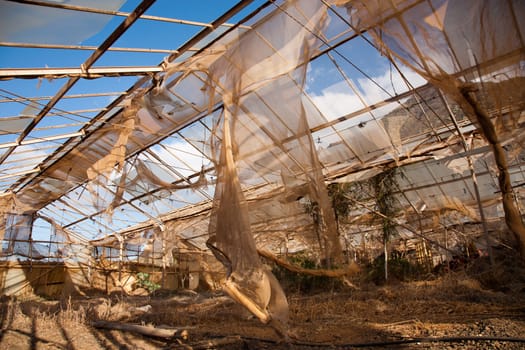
x=51, y=100
x=68, y=78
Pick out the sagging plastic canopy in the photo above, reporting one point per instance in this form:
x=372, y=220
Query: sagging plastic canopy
x=258, y=77
x=442, y=37
x=451, y=43
x=473, y=50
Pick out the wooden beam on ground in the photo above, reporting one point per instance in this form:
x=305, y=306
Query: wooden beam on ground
x=149, y=331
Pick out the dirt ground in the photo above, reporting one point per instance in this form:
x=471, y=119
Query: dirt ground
x=454, y=311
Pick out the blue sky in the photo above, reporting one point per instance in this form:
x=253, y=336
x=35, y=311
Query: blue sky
x=143, y=34
x=324, y=81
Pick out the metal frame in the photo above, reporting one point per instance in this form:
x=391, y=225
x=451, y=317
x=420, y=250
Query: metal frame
x=87, y=71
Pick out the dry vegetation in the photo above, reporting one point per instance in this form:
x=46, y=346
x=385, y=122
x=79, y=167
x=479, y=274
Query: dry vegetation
x=476, y=307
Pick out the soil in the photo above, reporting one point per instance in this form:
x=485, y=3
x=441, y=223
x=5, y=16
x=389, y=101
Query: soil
x=454, y=311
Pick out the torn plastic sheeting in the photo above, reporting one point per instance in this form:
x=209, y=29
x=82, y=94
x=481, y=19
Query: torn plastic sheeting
x=264, y=57
x=12, y=125
x=444, y=38
x=39, y=24
x=95, y=159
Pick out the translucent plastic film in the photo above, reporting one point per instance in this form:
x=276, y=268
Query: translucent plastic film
x=262, y=135
x=473, y=51
x=46, y=25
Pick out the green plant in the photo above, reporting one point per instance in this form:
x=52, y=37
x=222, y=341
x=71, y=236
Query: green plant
x=341, y=204
x=383, y=185
x=312, y=209
x=400, y=269
x=303, y=283
x=143, y=281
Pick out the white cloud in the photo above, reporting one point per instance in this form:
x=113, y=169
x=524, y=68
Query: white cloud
x=181, y=156
x=339, y=99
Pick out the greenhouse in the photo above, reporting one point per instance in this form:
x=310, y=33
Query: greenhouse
x=253, y=174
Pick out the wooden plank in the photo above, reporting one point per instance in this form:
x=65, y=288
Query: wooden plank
x=144, y=330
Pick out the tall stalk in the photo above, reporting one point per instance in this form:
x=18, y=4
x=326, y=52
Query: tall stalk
x=384, y=185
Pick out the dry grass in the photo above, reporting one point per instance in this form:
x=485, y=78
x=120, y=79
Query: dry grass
x=454, y=304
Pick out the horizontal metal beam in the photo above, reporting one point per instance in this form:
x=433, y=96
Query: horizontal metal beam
x=41, y=139
x=95, y=72
x=75, y=113
x=84, y=47
x=20, y=173
x=45, y=98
